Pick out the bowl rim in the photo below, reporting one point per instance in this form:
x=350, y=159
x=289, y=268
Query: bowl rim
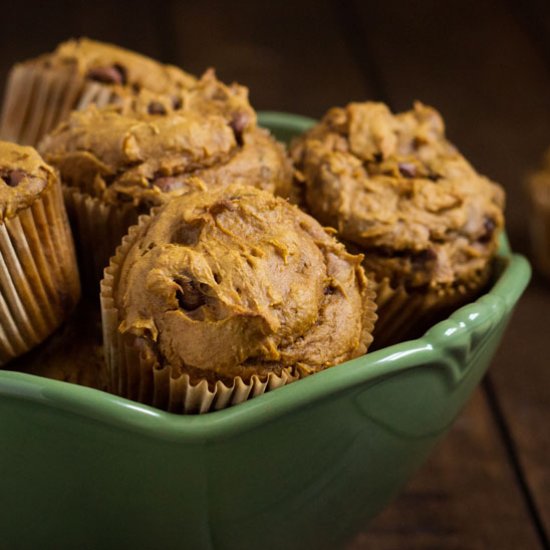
x=128, y=415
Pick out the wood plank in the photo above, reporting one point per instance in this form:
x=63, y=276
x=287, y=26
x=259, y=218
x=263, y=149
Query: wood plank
x=434, y=514
x=521, y=381
x=475, y=62
x=290, y=55
x=294, y=58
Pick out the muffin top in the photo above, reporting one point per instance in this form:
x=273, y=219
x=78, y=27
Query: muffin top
x=23, y=177
x=207, y=96
x=236, y=282
x=109, y=64
x=145, y=159
x=395, y=188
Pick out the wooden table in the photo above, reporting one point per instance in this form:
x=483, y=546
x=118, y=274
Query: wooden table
x=485, y=65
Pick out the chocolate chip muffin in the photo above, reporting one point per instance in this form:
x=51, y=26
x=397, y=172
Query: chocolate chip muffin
x=39, y=284
x=41, y=92
x=397, y=190
x=117, y=163
x=224, y=294
x=539, y=222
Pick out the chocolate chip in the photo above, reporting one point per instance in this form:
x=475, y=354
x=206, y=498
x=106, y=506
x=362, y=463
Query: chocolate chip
x=489, y=225
x=177, y=103
x=116, y=74
x=433, y=176
x=407, y=169
x=13, y=177
x=329, y=290
x=169, y=183
x=188, y=234
x=188, y=295
x=156, y=108
x=378, y=157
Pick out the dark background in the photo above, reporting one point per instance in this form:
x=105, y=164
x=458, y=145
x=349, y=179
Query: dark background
x=486, y=66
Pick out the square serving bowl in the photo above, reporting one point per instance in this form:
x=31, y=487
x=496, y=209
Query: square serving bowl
x=301, y=467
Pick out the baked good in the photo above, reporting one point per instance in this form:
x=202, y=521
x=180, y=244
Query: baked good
x=39, y=284
x=118, y=162
x=396, y=189
x=224, y=294
x=42, y=91
x=539, y=221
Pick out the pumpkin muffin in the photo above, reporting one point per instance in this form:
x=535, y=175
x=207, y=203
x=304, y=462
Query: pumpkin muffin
x=41, y=92
x=119, y=162
x=224, y=294
x=396, y=189
x=39, y=284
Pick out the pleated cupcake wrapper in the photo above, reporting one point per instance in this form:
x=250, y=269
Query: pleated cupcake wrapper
x=136, y=376
x=403, y=314
x=38, y=98
x=370, y=313
x=98, y=229
x=39, y=283
x=539, y=227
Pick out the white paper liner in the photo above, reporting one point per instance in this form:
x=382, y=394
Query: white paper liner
x=98, y=229
x=402, y=313
x=39, y=283
x=141, y=378
x=37, y=99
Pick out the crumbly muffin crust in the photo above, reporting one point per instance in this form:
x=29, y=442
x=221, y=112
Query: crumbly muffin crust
x=110, y=64
x=237, y=282
x=399, y=191
x=24, y=176
x=123, y=156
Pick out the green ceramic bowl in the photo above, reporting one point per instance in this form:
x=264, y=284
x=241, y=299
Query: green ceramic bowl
x=301, y=467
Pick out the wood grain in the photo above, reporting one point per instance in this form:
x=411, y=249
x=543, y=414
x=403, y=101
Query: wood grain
x=476, y=62
x=291, y=55
x=484, y=66
x=461, y=497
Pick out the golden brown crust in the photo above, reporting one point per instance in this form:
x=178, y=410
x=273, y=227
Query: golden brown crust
x=121, y=156
x=237, y=282
x=207, y=96
x=23, y=178
x=110, y=64
x=400, y=192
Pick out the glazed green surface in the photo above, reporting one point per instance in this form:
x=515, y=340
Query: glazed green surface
x=300, y=467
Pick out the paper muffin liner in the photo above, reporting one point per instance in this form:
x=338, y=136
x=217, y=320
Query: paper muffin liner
x=135, y=375
x=539, y=227
x=404, y=314
x=98, y=229
x=39, y=283
x=38, y=98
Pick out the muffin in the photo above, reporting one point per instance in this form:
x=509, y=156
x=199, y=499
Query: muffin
x=397, y=190
x=119, y=162
x=225, y=294
x=539, y=221
x=39, y=284
x=41, y=92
